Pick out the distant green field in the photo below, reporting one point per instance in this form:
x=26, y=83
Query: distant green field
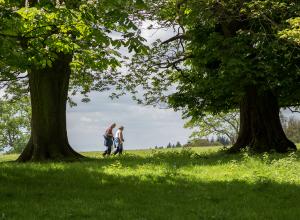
x=198, y=183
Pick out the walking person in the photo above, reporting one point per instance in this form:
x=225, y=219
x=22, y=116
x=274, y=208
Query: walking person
x=119, y=139
x=109, y=139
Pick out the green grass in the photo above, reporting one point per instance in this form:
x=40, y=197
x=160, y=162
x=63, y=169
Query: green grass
x=202, y=183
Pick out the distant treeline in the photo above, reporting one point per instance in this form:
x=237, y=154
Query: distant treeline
x=198, y=142
x=202, y=142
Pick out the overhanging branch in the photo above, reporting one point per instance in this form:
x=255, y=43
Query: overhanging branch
x=293, y=111
x=177, y=37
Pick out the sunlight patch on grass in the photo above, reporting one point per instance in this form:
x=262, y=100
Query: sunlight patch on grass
x=198, y=183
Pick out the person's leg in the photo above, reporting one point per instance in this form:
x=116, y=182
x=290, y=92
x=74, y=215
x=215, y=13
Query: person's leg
x=105, y=152
x=117, y=144
x=107, y=142
x=121, y=149
x=108, y=150
x=117, y=150
x=109, y=145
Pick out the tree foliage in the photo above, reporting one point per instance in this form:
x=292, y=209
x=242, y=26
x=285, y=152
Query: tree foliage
x=14, y=124
x=293, y=32
x=235, y=46
x=92, y=32
x=221, y=48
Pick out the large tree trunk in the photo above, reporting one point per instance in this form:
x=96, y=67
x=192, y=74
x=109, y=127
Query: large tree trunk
x=49, y=91
x=260, y=126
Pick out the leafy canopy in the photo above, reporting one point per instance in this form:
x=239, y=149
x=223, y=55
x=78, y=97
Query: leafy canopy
x=220, y=49
x=92, y=31
x=292, y=33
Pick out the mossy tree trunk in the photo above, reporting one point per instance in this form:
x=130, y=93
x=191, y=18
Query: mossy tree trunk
x=49, y=91
x=260, y=126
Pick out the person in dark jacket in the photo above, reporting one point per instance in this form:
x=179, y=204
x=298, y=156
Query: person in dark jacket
x=109, y=139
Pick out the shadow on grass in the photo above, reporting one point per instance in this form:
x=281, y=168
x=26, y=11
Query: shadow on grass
x=74, y=191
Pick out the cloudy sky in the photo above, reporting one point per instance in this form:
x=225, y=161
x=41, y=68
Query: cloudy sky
x=145, y=126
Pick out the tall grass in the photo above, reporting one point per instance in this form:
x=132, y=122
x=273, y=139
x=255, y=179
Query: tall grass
x=154, y=184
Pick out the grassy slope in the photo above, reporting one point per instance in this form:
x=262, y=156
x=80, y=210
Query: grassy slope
x=162, y=184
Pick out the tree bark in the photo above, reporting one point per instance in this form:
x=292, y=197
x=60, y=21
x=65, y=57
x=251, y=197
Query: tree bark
x=49, y=91
x=260, y=126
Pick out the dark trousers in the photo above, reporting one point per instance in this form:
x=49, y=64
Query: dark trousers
x=107, y=151
x=108, y=142
x=119, y=149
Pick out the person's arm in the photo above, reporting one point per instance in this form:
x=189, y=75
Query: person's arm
x=120, y=136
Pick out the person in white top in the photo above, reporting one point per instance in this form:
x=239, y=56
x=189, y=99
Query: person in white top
x=119, y=139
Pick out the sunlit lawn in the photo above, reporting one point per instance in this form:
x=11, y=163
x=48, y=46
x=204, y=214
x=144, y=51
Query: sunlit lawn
x=202, y=183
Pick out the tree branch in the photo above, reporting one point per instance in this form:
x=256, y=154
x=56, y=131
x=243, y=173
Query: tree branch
x=175, y=62
x=215, y=129
x=234, y=126
x=179, y=36
x=293, y=111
